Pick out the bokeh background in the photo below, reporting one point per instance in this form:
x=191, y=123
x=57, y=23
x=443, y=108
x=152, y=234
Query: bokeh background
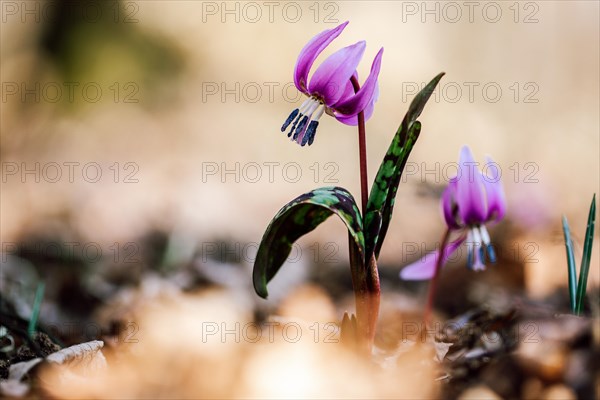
x=178, y=106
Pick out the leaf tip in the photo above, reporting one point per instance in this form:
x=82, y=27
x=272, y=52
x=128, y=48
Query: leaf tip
x=262, y=292
x=260, y=284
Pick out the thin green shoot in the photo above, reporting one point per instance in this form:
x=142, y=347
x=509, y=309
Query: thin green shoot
x=572, y=267
x=37, y=303
x=586, y=257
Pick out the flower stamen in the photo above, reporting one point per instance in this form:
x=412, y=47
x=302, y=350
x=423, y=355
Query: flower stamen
x=299, y=133
x=309, y=109
x=289, y=119
x=300, y=127
x=485, y=236
x=478, y=250
x=470, y=249
x=300, y=114
x=309, y=135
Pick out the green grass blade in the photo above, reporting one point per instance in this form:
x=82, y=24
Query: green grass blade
x=37, y=303
x=572, y=268
x=587, y=255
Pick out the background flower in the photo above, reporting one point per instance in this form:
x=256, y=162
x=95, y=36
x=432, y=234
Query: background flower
x=470, y=200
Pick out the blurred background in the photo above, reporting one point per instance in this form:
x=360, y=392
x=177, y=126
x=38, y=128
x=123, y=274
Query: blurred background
x=146, y=134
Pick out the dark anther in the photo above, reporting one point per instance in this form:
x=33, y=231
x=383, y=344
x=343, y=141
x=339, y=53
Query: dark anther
x=289, y=119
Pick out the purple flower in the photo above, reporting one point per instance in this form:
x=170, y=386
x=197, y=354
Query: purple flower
x=471, y=200
x=330, y=89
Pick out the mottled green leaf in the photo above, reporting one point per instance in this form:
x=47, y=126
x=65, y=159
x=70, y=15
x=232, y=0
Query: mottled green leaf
x=297, y=218
x=385, y=186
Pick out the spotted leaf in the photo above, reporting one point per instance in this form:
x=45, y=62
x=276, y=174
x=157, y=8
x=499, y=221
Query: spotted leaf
x=297, y=218
x=383, y=192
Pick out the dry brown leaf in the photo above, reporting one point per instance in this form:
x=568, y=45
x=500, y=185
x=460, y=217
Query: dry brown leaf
x=441, y=349
x=14, y=385
x=86, y=357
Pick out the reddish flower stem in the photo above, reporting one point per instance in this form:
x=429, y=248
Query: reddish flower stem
x=362, y=150
x=434, y=280
x=365, y=281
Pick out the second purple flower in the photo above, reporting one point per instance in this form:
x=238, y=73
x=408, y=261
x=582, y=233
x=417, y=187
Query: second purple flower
x=470, y=200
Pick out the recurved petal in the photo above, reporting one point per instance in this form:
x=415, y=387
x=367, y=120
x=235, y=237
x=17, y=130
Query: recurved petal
x=331, y=77
x=470, y=190
x=496, y=200
x=449, y=205
x=365, y=96
x=353, y=120
x=310, y=52
x=349, y=89
x=424, y=268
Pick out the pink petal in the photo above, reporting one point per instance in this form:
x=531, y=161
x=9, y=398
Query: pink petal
x=496, y=200
x=424, y=268
x=349, y=89
x=310, y=52
x=449, y=203
x=470, y=190
x=365, y=95
x=353, y=120
x=330, y=79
